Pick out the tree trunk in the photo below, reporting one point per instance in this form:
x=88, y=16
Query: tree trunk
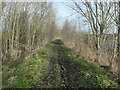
x=119, y=45
x=98, y=48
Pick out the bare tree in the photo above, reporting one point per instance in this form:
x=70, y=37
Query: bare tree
x=97, y=15
x=25, y=28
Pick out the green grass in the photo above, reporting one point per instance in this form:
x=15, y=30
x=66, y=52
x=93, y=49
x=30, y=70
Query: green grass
x=28, y=73
x=57, y=41
x=92, y=76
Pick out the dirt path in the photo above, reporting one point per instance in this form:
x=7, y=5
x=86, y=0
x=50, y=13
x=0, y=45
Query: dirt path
x=66, y=74
x=53, y=75
x=68, y=71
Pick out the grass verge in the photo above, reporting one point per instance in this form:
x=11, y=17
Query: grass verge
x=92, y=76
x=28, y=73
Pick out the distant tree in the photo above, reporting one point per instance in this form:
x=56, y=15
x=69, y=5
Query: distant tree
x=23, y=24
x=66, y=30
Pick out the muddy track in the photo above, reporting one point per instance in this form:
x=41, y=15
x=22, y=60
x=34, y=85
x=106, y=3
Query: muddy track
x=68, y=71
x=52, y=75
x=68, y=74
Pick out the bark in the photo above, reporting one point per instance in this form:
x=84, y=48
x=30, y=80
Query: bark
x=119, y=46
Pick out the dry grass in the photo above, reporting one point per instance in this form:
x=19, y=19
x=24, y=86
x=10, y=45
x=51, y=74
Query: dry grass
x=90, y=54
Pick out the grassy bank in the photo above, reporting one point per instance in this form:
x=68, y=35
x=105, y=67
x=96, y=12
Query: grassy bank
x=91, y=75
x=43, y=70
x=28, y=73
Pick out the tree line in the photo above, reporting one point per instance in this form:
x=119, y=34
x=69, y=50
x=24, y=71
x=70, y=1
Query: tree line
x=26, y=27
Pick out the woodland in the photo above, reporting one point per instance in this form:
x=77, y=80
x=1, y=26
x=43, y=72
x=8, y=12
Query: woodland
x=31, y=42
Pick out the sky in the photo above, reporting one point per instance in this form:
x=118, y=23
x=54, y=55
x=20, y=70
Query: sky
x=62, y=12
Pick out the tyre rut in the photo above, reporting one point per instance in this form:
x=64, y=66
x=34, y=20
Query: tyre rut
x=68, y=71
